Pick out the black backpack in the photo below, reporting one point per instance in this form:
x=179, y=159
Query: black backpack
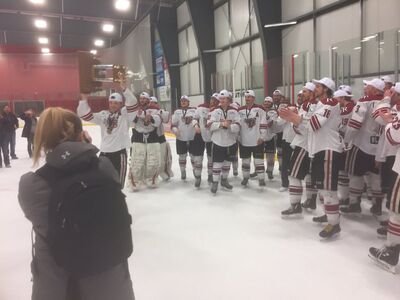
x=89, y=223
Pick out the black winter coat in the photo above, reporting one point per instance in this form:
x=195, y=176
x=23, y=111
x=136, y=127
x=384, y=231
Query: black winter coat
x=26, y=131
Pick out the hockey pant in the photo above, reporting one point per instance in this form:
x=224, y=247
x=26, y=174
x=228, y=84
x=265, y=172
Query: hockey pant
x=145, y=163
x=166, y=161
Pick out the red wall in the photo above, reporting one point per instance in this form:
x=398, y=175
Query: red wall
x=51, y=78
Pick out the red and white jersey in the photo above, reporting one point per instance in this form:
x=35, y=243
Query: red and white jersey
x=363, y=129
x=306, y=111
x=385, y=148
x=271, y=117
x=114, y=127
x=345, y=113
x=202, y=116
x=224, y=137
x=145, y=126
x=235, y=105
x=253, y=125
x=392, y=131
x=323, y=127
x=164, y=120
x=287, y=127
x=183, y=122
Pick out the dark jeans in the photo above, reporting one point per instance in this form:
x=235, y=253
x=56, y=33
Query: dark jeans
x=30, y=144
x=12, y=144
x=4, y=142
x=286, y=155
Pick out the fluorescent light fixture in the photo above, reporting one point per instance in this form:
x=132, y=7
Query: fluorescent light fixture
x=382, y=43
x=108, y=27
x=99, y=43
x=280, y=24
x=370, y=37
x=94, y=52
x=357, y=48
x=295, y=55
x=335, y=48
x=122, y=5
x=43, y=40
x=212, y=51
x=39, y=2
x=40, y=23
x=45, y=50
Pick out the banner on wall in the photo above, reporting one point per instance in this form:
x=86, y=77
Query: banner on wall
x=159, y=57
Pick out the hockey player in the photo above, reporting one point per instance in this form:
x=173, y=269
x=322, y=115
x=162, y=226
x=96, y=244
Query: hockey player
x=251, y=139
x=224, y=126
x=165, y=150
x=235, y=162
x=202, y=116
x=188, y=139
x=270, y=143
x=343, y=95
x=389, y=82
x=287, y=138
x=300, y=160
x=388, y=255
x=145, y=158
x=362, y=137
x=114, y=124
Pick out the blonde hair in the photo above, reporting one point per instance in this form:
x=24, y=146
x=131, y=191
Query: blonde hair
x=55, y=125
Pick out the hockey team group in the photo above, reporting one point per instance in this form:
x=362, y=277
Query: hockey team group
x=330, y=147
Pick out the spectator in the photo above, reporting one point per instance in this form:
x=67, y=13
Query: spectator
x=28, y=132
x=15, y=124
x=6, y=129
x=59, y=135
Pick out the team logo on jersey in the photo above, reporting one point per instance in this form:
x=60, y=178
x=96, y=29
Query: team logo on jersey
x=187, y=120
x=251, y=122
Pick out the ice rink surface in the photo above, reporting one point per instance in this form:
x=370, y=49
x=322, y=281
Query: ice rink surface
x=190, y=245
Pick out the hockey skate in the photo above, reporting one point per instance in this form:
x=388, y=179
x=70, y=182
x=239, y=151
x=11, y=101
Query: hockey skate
x=270, y=175
x=210, y=179
x=197, y=182
x=245, y=182
x=376, y=210
x=386, y=257
x=253, y=175
x=214, y=187
x=354, y=208
x=261, y=183
x=382, y=231
x=225, y=184
x=310, y=203
x=283, y=189
x=321, y=219
x=330, y=231
x=293, y=210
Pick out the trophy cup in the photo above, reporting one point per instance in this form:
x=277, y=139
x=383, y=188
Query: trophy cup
x=92, y=74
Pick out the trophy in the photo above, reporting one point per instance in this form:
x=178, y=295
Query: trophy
x=92, y=74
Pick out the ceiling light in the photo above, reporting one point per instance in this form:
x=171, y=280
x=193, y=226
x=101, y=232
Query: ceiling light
x=99, y=43
x=94, y=52
x=335, y=48
x=108, y=27
x=40, y=23
x=43, y=40
x=357, y=48
x=122, y=4
x=295, y=55
x=37, y=1
x=382, y=43
x=45, y=50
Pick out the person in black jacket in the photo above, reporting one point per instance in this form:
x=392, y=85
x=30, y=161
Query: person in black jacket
x=28, y=132
x=6, y=128
x=13, y=127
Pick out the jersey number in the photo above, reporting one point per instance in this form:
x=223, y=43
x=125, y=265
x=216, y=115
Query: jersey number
x=327, y=113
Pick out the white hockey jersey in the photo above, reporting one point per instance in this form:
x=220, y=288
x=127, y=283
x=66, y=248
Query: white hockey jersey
x=114, y=127
x=183, y=122
x=224, y=137
x=323, y=128
x=306, y=111
x=393, y=137
x=271, y=117
x=164, y=115
x=345, y=113
x=363, y=129
x=253, y=125
x=385, y=148
x=202, y=116
x=146, y=126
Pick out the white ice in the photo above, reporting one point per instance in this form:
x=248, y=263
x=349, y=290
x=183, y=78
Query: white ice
x=190, y=245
